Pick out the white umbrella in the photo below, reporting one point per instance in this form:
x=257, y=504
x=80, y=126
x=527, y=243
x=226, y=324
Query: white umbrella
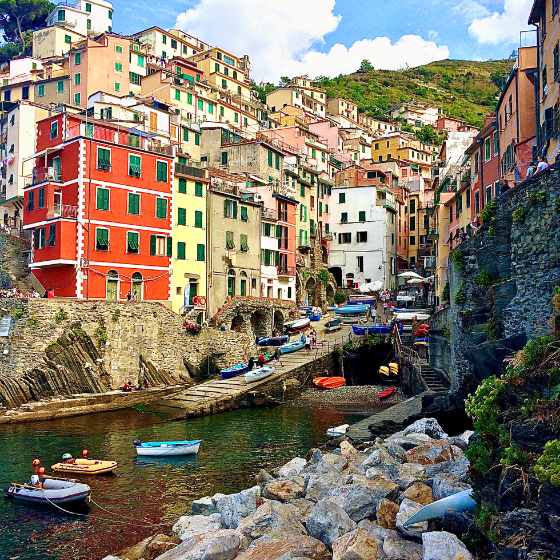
x=409, y=274
x=370, y=287
x=415, y=281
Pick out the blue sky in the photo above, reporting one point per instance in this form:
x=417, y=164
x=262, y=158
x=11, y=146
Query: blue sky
x=324, y=37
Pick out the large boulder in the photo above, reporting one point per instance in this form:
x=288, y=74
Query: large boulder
x=387, y=514
x=188, y=526
x=347, y=449
x=440, y=545
x=295, y=466
x=406, y=510
x=357, y=500
x=149, y=548
x=283, y=490
x=420, y=493
x=331, y=463
x=327, y=521
x=225, y=544
x=303, y=508
x=272, y=516
x=379, y=533
x=444, y=485
x=234, y=507
x=409, y=473
x=290, y=547
x=438, y=451
x=206, y=505
x=459, y=468
x=409, y=441
x=395, y=548
x=356, y=545
x=317, y=486
x=428, y=426
x=396, y=451
x=388, y=470
x=378, y=458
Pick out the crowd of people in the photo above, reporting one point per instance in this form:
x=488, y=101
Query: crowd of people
x=16, y=293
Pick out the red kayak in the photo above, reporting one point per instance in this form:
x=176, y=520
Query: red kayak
x=329, y=382
x=387, y=393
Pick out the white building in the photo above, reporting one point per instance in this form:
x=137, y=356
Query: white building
x=364, y=245
x=93, y=17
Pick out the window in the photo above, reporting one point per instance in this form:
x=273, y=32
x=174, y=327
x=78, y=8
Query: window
x=303, y=213
x=182, y=186
x=230, y=208
x=198, y=189
x=302, y=190
x=412, y=240
x=118, y=48
x=393, y=239
x=31, y=201
x=181, y=250
x=163, y=54
x=41, y=198
x=40, y=238
x=236, y=117
x=77, y=79
x=51, y=239
x=102, y=202
x=341, y=198
x=60, y=86
x=270, y=158
x=200, y=104
x=132, y=242
x=544, y=82
x=495, y=142
x=361, y=236
x=161, y=208
x=134, y=165
x=487, y=153
x=243, y=243
x=344, y=217
x=198, y=219
x=161, y=171
x=41, y=91
x=182, y=216
x=412, y=206
x=196, y=139
x=101, y=239
x=67, y=39
x=211, y=108
x=117, y=86
x=230, y=243
x=362, y=216
x=133, y=204
x=224, y=158
x=164, y=39
x=173, y=43
x=77, y=59
x=412, y=223
x=61, y=15
x=53, y=133
x=189, y=98
x=360, y=263
x=244, y=214
x=488, y=193
x=200, y=252
x=103, y=159
x=77, y=98
x=161, y=246
x=477, y=202
x=276, y=160
x=345, y=237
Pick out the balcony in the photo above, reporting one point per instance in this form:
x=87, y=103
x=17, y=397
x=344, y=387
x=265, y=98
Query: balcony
x=269, y=213
x=62, y=211
x=190, y=171
x=433, y=235
x=386, y=203
x=42, y=175
x=430, y=263
x=286, y=270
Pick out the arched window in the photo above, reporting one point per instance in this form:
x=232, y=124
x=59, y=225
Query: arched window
x=137, y=286
x=231, y=283
x=243, y=274
x=112, y=285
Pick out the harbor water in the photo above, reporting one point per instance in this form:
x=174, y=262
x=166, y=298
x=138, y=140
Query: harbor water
x=143, y=498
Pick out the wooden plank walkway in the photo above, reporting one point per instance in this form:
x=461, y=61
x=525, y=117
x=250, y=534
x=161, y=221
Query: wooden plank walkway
x=218, y=395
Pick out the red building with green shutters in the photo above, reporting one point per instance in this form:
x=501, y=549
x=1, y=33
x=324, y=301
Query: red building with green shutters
x=99, y=207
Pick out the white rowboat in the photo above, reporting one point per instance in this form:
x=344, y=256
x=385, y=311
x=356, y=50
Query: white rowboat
x=258, y=374
x=167, y=448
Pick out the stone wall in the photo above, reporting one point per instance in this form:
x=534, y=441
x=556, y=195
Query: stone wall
x=439, y=342
x=519, y=251
x=14, y=260
x=69, y=346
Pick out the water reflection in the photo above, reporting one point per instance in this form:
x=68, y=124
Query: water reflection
x=146, y=495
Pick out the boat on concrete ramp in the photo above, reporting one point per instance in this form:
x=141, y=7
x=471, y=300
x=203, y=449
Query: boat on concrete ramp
x=258, y=374
x=49, y=490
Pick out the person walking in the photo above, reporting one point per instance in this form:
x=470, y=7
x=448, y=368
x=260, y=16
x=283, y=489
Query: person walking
x=278, y=356
x=251, y=364
x=542, y=165
x=308, y=344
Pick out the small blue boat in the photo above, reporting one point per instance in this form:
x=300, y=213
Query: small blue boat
x=292, y=347
x=360, y=330
x=420, y=340
x=162, y=448
x=405, y=310
x=235, y=370
x=315, y=316
x=351, y=309
x=274, y=341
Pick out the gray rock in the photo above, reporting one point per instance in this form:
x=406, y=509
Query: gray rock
x=216, y=545
x=284, y=490
x=331, y=463
x=458, y=468
x=272, y=516
x=358, y=544
x=263, y=477
x=328, y=521
x=314, y=456
x=378, y=532
x=204, y=506
x=377, y=458
x=409, y=441
x=444, y=485
x=440, y=545
x=357, y=500
x=396, y=451
x=317, y=486
x=396, y=548
x=289, y=547
x=234, y=507
x=388, y=470
x=407, y=509
x=356, y=467
x=409, y=473
x=303, y=507
x=428, y=426
x=294, y=466
x=188, y=526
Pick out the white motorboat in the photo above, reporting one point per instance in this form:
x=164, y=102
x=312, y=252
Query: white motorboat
x=49, y=490
x=258, y=374
x=338, y=431
x=170, y=448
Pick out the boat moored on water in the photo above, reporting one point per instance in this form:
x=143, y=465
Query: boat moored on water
x=161, y=448
x=258, y=374
x=49, y=490
x=84, y=465
x=338, y=430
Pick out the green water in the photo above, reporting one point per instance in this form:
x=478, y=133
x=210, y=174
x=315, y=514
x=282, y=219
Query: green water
x=144, y=494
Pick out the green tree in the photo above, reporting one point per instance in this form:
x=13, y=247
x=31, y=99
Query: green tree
x=429, y=135
x=366, y=66
x=20, y=16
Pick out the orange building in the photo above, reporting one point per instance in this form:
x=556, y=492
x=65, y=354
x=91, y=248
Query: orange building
x=99, y=207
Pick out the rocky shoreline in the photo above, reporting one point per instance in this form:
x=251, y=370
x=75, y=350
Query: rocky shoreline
x=349, y=504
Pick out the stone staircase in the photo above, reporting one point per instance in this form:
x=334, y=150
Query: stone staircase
x=430, y=377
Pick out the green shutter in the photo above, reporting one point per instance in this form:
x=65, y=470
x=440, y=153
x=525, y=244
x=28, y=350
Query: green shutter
x=302, y=190
x=161, y=207
x=243, y=242
x=182, y=216
x=277, y=258
x=225, y=208
x=224, y=158
x=244, y=214
x=269, y=158
x=161, y=171
x=230, y=244
x=197, y=219
x=200, y=252
x=312, y=226
x=152, y=244
x=341, y=197
x=181, y=250
x=277, y=161
x=362, y=217
x=102, y=199
x=235, y=209
x=182, y=185
x=278, y=232
x=170, y=246
x=267, y=229
x=198, y=189
x=133, y=203
x=320, y=208
x=103, y=159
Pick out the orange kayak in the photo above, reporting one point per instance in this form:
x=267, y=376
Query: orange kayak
x=329, y=382
x=387, y=393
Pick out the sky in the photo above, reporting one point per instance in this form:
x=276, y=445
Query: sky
x=332, y=37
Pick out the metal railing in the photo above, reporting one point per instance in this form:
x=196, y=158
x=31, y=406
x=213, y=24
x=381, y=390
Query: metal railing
x=286, y=270
x=189, y=170
x=62, y=211
x=42, y=175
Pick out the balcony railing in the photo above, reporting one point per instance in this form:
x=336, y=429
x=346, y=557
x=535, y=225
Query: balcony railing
x=62, y=211
x=286, y=270
x=120, y=137
x=433, y=235
x=430, y=263
x=42, y=175
x=269, y=213
x=189, y=170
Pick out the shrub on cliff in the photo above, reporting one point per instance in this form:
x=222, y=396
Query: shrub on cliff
x=489, y=212
x=457, y=259
x=547, y=468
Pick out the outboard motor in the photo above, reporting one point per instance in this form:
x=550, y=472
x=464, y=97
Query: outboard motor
x=137, y=442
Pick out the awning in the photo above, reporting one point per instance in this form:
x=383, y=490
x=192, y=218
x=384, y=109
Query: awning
x=141, y=133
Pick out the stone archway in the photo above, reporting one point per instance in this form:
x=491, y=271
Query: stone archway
x=310, y=289
x=278, y=321
x=330, y=293
x=238, y=323
x=260, y=324
x=336, y=271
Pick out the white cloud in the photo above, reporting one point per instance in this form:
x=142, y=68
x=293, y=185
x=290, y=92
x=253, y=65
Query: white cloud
x=470, y=10
x=502, y=27
x=281, y=38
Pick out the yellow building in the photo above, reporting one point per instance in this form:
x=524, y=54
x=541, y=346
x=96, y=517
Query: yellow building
x=190, y=238
x=416, y=113
x=376, y=126
x=54, y=41
x=545, y=15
